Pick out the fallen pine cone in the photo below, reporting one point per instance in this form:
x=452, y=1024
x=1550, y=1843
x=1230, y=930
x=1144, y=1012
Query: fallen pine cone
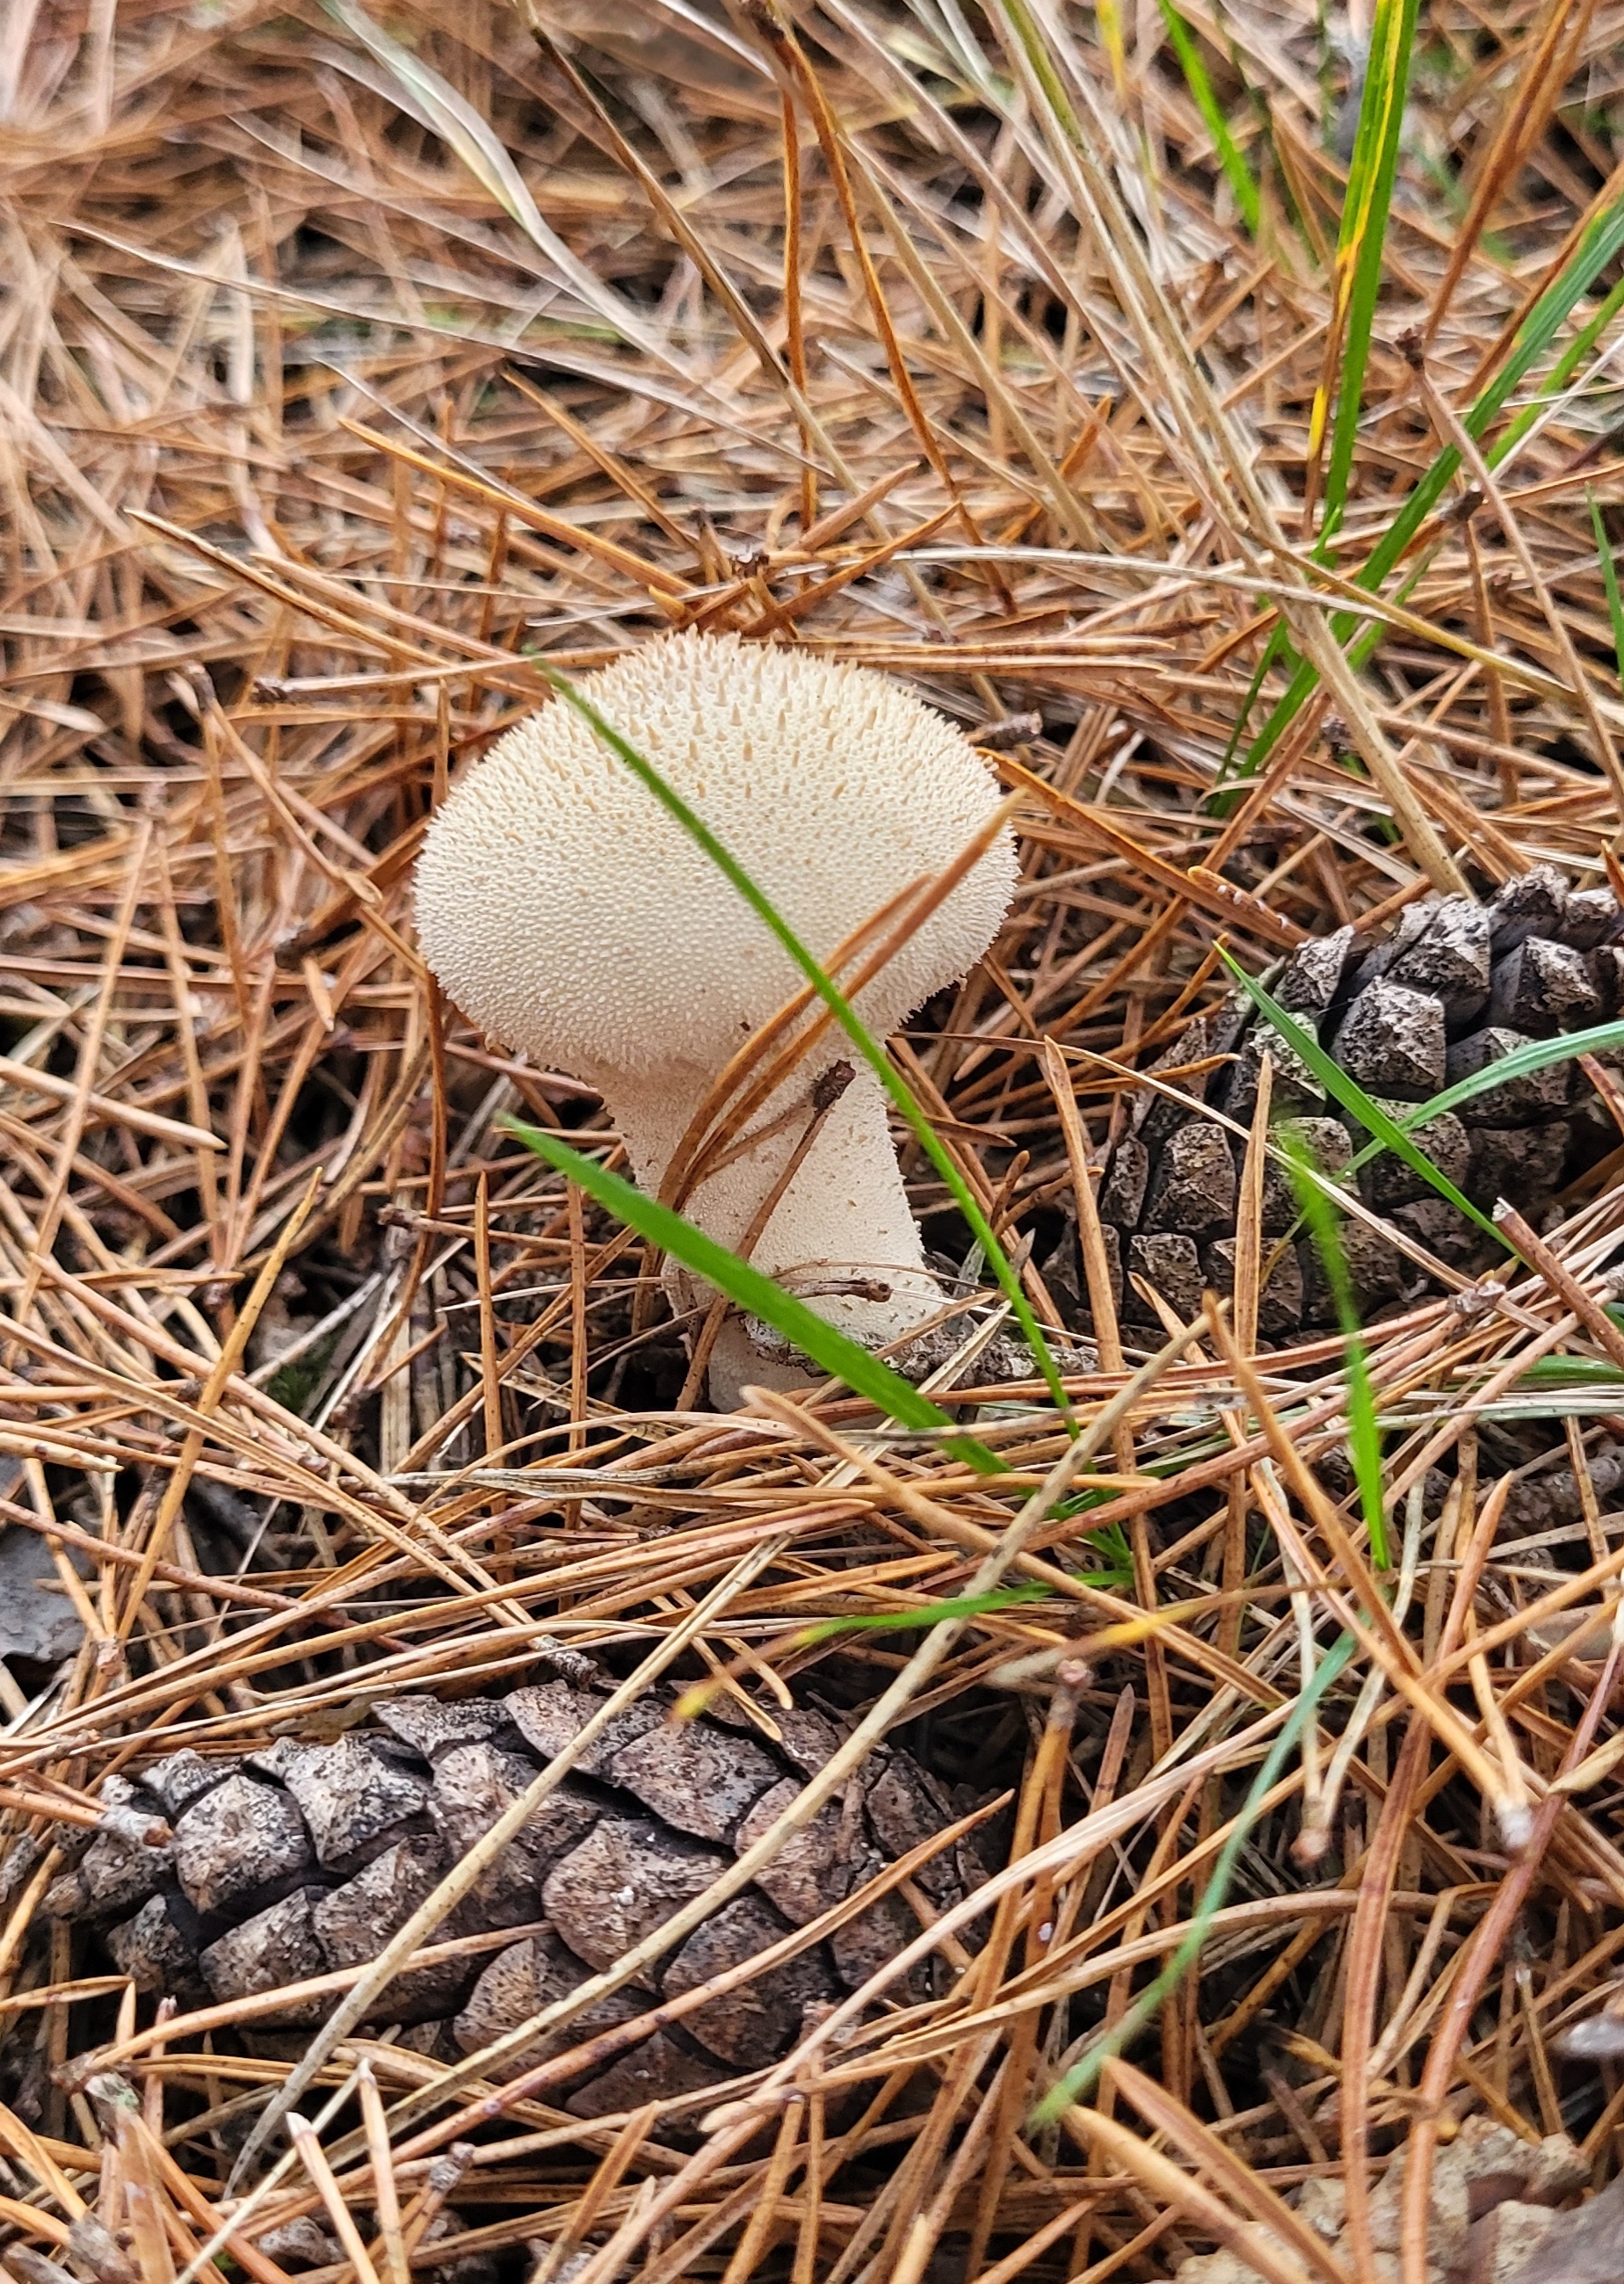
x=1458, y=985
x=296, y=1860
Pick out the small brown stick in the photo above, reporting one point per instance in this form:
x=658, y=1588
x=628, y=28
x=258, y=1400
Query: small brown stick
x=1202, y=2146
x=1481, y=1950
x=1524, y=110
x=1044, y=1778
x=623, y=560
x=430, y=2202
x=79, y=1105
x=190, y=2198
x=1179, y=2192
x=794, y=332
x=1249, y=1214
x=578, y=1357
x=617, y=471
x=786, y=49
x=106, y=1108
x=491, y=1385
x=1365, y=1951
x=86, y=1816
x=208, y=1401
x=1499, y=711
x=1449, y=424
x=1218, y=897
x=313, y=2158
x=1091, y=1234
x=120, y=2111
x=386, y=2194
x=1560, y=1278
x=752, y=2244
x=611, y=2172
x=1381, y=1636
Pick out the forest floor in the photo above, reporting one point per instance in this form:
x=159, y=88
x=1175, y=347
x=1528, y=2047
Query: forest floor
x=1215, y=414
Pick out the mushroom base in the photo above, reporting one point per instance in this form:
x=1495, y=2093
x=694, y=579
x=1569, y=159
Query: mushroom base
x=840, y=1238
x=746, y=1354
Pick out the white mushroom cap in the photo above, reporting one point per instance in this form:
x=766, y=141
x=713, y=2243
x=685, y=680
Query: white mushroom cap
x=568, y=913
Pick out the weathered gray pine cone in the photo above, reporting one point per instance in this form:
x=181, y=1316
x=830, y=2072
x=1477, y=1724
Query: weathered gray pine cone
x=1457, y=986
x=298, y=1859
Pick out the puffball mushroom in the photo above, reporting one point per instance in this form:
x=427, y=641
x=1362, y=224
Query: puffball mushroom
x=569, y=914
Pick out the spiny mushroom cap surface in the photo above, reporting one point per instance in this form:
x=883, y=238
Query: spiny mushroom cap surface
x=570, y=916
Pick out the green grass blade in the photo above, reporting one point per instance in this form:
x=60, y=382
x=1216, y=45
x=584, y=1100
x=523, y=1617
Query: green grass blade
x=1601, y=243
x=1560, y=373
x=1522, y=1062
x=1236, y=172
x=1367, y=639
x=750, y=1289
x=1609, y=580
x=933, y=1613
x=1353, y=1096
x=1361, y=243
x=1559, y=1371
x=695, y=1700
x=1110, y=1540
x=845, y=1014
x=1081, y=2076
x=1363, y=1431
x=1224, y=794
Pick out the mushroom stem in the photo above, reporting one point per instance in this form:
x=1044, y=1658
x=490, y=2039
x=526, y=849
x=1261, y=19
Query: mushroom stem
x=840, y=1236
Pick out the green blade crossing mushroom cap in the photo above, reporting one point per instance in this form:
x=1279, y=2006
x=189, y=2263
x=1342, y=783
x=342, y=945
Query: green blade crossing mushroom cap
x=568, y=913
